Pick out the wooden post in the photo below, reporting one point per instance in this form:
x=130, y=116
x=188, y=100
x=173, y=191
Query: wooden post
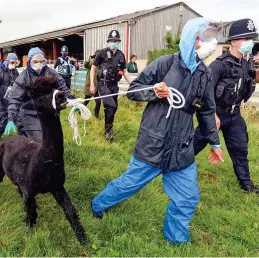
x=1, y=54
x=54, y=50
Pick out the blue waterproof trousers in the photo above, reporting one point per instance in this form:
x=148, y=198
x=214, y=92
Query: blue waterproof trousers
x=181, y=186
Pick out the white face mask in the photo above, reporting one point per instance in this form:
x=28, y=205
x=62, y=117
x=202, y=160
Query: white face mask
x=206, y=49
x=37, y=67
x=11, y=66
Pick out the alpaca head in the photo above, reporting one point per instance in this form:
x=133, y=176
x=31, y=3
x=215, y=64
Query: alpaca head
x=42, y=93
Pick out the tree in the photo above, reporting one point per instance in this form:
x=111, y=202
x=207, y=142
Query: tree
x=172, y=46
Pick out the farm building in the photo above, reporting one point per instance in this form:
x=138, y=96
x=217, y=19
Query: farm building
x=140, y=31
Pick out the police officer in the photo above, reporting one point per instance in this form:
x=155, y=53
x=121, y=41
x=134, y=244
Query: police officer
x=234, y=82
x=8, y=74
x=112, y=65
x=86, y=90
x=65, y=66
x=20, y=96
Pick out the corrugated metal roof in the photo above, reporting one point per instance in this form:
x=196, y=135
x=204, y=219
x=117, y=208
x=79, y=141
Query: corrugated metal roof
x=82, y=27
x=132, y=16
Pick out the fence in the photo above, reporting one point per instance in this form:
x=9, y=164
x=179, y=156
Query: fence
x=78, y=81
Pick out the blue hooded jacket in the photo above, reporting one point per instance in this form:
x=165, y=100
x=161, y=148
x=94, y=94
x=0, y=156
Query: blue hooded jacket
x=188, y=39
x=167, y=143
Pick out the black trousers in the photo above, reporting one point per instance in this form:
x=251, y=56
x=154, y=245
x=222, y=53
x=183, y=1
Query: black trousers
x=97, y=103
x=68, y=81
x=110, y=104
x=235, y=135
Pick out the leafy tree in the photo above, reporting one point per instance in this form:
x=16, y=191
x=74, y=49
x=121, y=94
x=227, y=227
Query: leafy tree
x=172, y=46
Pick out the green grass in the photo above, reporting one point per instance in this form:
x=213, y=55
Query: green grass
x=225, y=224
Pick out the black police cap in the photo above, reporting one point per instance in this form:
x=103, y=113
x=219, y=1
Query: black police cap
x=241, y=29
x=114, y=35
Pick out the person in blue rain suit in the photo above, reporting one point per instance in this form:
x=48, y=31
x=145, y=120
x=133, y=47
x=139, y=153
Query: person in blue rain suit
x=165, y=145
x=20, y=97
x=8, y=74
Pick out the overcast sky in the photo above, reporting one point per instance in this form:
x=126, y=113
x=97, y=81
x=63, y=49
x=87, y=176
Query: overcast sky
x=22, y=18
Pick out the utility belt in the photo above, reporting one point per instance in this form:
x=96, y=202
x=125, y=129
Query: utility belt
x=233, y=110
x=107, y=83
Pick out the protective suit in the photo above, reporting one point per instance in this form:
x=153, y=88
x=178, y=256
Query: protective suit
x=8, y=74
x=20, y=97
x=165, y=145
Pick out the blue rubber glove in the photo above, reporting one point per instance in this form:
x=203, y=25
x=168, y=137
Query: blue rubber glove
x=10, y=126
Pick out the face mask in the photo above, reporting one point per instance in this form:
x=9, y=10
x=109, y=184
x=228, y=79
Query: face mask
x=64, y=55
x=114, y=45
x=11, y=66
x=37, y=67
x=246, y=47
x=206, y=49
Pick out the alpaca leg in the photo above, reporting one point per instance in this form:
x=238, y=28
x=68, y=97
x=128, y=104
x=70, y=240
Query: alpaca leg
x=1, y=175
x=20, y=191
x=1, y=167
x=30, y=208
x=64, y=201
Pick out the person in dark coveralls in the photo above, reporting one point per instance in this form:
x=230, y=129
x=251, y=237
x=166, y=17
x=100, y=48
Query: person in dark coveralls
x=234, y=82
x=86, y=90
x=112, y=65
x=20, y=95
x=65, y=66
x=165, y=145
x=8, y=74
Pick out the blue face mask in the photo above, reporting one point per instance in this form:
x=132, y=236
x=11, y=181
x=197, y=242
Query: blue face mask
x=114, y=45
x=246, y=47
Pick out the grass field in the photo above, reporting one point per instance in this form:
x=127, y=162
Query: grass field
x=226, y=222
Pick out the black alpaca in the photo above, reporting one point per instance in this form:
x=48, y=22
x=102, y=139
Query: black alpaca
x=39, y=168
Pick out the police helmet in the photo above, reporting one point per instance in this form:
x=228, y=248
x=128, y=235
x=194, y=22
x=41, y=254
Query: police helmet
x=241, y=29
x=64, y=49
x=114, y=35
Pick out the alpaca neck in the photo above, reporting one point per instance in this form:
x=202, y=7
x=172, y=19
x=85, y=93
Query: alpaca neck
x=52, y=133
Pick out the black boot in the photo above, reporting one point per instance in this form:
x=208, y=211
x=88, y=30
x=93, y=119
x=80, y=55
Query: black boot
x=108, y=132
x=97, y=115
x=251, y=189
x=109, y=135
